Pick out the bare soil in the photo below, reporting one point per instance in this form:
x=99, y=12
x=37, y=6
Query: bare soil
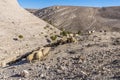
x=94, y=57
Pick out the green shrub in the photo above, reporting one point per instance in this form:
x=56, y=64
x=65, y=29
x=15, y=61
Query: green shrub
x=68, y=32
x=26, y=44
x=50, y=22
x=53, y=37
x=46, y=36
x=79, y=32
x=47, y=26
x=64, y=33
x=51, y=28
x=61, y=29
x=41, y=32
x=20, y=36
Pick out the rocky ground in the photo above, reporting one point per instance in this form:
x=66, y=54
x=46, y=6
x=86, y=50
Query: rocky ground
x=94, y=57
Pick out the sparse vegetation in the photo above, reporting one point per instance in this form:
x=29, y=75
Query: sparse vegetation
x=20, y=36
x=41, y=32
x=79, y=32
x=26, y=44
x=47, y=26
x=51, y=28
x=46, y=36
x=68, y=32
x=50, y=22
x=84, y=53
x=61, y=29
x=53, y=37
x=64, y=33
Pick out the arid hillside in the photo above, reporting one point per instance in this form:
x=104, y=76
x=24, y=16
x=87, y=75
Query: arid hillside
x=32, y=49
x=110, y=12
x=94, y=57
x=74, y=18
x=20, y=31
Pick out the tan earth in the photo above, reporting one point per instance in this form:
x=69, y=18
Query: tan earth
x=20, y=31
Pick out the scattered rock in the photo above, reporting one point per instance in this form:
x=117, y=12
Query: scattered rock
x=24, y=73
x=87, y=60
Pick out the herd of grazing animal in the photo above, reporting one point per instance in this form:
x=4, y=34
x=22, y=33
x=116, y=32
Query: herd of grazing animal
x=41, y=53
x=38, y=54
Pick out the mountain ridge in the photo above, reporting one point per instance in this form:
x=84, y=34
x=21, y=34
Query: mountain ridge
x=76, y=18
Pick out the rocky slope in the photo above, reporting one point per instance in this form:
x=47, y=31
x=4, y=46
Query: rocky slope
x=94, y=57
x=74, y=18
x=20, y=31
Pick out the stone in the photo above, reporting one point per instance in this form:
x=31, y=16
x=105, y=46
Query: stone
x=24, y=73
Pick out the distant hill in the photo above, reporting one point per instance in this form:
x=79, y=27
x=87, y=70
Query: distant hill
x=75, y=18
x=110, y=12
